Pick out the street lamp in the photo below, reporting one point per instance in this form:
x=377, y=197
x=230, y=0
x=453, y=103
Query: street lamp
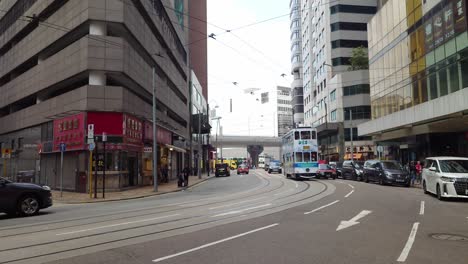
x=351, y=131
x=155, y=143
x=216, y=139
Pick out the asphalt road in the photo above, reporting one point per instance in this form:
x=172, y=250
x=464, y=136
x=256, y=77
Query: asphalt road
x=255, y=218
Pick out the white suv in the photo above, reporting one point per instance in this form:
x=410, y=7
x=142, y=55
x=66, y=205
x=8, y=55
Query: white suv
x=446, y=177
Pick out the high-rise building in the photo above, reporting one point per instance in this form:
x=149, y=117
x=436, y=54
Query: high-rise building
x=296, y=62
x=65, y=65
x=284, y=112
x=333, y=93
x=419, y=75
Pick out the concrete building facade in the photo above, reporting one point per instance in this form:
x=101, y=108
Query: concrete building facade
x=284, y=110
x=418, y=69
x=334, y=94
x=296, y=62
x=67, y=64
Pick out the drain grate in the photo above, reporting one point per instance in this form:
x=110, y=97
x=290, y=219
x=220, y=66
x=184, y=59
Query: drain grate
x=450, y=237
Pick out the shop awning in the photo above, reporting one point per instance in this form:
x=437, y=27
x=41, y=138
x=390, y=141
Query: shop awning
x=355, y=156
x=172, y=147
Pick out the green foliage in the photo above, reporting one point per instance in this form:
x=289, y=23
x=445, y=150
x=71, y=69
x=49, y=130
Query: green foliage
x=359, y=59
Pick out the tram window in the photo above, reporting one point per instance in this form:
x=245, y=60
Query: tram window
x=314, y=156
x=306, y=156
x=296, y=135
x=314, y=135
x=305, y=134
x=298, y=156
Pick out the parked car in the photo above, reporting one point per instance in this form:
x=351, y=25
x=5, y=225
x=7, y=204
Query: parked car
x=25, y=199
x=275, y=167
x=446, y=177
x=222, y=169
x=386, y=172
x=326, y=171
x=352, y=170
x=338, y=167
x=243, y=169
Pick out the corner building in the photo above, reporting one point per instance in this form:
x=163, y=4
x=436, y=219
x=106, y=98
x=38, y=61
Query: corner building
x=419, y=71
x=67, y=64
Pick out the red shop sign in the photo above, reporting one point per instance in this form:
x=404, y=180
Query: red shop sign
x=69, y=130
x=164, y=135
x=132, y=130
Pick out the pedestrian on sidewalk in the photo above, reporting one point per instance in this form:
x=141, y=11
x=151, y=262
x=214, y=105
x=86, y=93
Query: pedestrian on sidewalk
x=412, y=171
x=418, y=168
x=186, y=172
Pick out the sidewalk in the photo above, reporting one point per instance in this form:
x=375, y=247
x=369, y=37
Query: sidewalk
x=134, y=193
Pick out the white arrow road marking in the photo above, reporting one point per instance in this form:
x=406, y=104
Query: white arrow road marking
x=409, y=243
x=353, y=221
x=242, y=210
x=214, y=243
x=114, y=225
x=321, y=207
x=351, y=186
x=346, y=196
x=421, y=210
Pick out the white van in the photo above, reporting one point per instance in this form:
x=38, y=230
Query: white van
x=446, y=177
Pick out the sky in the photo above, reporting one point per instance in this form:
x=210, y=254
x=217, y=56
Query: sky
x=254, y=57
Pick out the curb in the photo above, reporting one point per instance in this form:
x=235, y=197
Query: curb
x=137, y=197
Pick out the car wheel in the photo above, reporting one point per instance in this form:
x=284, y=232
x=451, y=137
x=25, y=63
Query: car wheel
x=367, y=179
x=381, y=182
x=269, y=172
x=425, y=188
x=439, y=194
x=28, y=205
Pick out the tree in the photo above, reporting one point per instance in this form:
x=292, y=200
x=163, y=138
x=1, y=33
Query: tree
x=359, y=59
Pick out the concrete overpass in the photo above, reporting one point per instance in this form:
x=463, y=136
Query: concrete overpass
x=254, y=144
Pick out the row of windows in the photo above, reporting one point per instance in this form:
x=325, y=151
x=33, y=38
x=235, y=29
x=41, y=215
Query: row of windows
x=357, y=112
x=286, y=102
x=353, y=9
x=348, y=26
x=341, y=61
x=356, y=89
x=348, y=43
x=333, y=115
x=284, y=109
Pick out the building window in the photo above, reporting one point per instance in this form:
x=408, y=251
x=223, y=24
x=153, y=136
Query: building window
x=348, y=43
x=333, y=115
x=353, y=9
x=333, y=95
x=358, y=112
x=347, y=135
x=348, y=26
x=356, y=89
x=341, y=61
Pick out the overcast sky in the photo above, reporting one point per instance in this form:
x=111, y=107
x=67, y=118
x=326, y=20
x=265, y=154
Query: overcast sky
x=254, y=57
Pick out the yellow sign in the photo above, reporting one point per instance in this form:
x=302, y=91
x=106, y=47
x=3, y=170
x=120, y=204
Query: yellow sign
x=6, y=153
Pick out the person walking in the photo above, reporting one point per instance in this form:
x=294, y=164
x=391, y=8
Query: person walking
x=186, y=172
x=412, y=172
x=418, y=169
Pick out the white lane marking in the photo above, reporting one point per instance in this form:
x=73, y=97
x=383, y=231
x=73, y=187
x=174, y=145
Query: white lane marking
x=114, y=225
x=353, y=221
x=241, y=210
x=297, y=185
x=346, y=196
x=321, y=207
x=340, y=182
x=409, y=243
x=227, y=205
x=350, y=186
x=214, y=243
x=421, y=210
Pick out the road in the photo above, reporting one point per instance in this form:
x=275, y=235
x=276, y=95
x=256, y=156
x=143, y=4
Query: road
x=255, y=218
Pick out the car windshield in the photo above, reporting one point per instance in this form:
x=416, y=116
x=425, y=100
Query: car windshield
x=274, y=164
x=358, y=164
x=324, y=167
x=221, y=166
x=391, y=165
x=454, y=166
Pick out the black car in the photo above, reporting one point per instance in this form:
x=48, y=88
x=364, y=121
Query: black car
x=338, y=166
x=275, y=167
x=352, y=170
x=386, y=172
x=222, y=170
x=25, y=199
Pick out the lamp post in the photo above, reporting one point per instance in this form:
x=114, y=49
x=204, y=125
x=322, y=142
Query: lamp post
x=216, y=137
x=155, y=143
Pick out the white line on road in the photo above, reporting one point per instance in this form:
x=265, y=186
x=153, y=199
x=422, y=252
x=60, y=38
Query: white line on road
x=214, y=243
x=114, y=225
x=227, y=205
x=350, y=186
x=346, y=196
x=409, y=243
x=242, y=210
x=421, y=210
x=353, y=221
x=321, y=207
x=297, y=185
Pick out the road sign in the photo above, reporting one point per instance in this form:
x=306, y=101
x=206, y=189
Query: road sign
x=104, y=137
x=63, y=147
x=91, y=146
x=379, y=148
x=90, y=131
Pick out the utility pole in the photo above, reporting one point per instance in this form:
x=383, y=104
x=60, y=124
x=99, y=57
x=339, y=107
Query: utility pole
x=351, y=132
x=155, y=143
x=200, y=152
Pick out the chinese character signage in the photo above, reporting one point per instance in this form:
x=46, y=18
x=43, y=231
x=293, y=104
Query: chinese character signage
x=132, y=130
x=70, y=131
x=459, y=16
x=438, y=26
x=164, y=136
x=429, y=36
